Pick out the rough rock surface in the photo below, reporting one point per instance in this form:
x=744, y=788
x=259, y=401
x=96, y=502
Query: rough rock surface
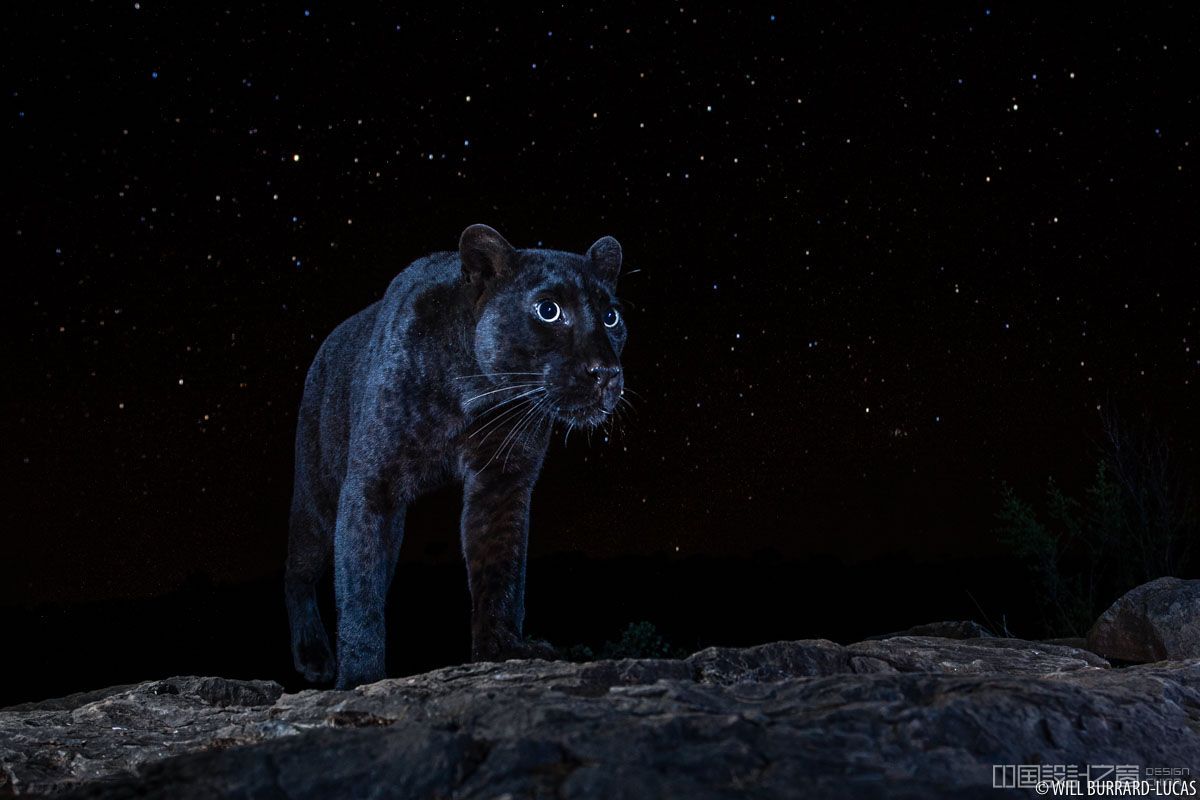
x=1155, y=621
x=907, y=716
x=949, y=629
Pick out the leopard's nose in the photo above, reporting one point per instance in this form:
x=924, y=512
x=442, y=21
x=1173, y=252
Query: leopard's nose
x=603, y=374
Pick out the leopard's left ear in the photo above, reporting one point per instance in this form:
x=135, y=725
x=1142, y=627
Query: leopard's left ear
x=485, y=254
x=605, y=257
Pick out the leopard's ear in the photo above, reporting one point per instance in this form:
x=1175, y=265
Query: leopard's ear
x=605, y=257
x=485, y=254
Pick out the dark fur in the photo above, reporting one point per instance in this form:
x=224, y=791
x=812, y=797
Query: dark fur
x=388, y=415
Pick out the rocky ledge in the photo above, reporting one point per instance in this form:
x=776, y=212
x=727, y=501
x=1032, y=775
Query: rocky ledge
x=912, y=716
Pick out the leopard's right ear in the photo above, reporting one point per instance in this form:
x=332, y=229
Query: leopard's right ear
x=485, y=254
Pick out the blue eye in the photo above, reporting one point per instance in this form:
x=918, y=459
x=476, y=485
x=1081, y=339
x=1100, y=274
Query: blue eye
x=611, y=318
x=547, y=310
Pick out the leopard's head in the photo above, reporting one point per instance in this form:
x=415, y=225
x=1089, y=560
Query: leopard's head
x=548, y=326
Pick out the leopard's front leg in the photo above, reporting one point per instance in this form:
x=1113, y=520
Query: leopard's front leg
x=495, y=535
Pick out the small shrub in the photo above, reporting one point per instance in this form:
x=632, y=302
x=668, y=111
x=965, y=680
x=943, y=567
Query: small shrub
x=579, y=653
x=639, y=640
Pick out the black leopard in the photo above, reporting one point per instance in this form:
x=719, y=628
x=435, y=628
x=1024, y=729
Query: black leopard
x=458, y=373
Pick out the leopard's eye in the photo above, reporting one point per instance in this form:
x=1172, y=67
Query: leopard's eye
x=611, y=318
x=547, y=310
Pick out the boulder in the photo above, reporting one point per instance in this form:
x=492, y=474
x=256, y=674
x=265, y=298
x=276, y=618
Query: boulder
x=909, y=716
x=1156, y=621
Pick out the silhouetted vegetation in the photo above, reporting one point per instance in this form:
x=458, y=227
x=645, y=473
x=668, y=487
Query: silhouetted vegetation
x=640, y=640
x=1136, y=521
x=637, y=640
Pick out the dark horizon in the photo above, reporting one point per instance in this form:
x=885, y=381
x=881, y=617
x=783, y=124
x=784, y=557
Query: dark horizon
x=878, y=265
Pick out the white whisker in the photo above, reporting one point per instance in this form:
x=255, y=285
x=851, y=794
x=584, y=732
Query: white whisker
x=541, y=420
x=493, y=375
x=516, y=437
x=516, y=428
x=501, y=389
x=511, y=431
x=508, y=413
x=480, y=415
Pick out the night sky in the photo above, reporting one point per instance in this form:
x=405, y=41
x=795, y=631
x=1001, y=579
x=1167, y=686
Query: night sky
x=878, y=262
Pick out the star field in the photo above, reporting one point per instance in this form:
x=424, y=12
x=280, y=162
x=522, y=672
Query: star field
x=877, y=262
